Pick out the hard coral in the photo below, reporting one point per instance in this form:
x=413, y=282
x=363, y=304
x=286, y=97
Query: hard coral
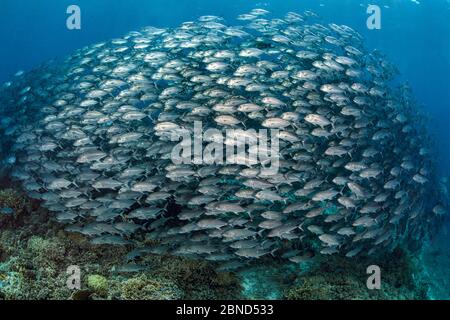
x=144, y=287
x=337, y=278
x=15, y=201
x=98, y=284
x=198, y=279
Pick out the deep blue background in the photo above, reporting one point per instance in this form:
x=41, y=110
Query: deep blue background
x=415, y=37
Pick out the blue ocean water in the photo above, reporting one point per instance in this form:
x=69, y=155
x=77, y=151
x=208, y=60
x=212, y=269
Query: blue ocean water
x=415, y=36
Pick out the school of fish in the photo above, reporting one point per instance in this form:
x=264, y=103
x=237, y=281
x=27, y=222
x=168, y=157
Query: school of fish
x=92, y=138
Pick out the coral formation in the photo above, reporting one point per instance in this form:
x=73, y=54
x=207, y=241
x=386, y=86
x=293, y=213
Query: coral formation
x=144, y=287
x=35, y=253
x=198, y=279
x=338, y=278
x=436, y=262
x=13, y=204
x=98, y=283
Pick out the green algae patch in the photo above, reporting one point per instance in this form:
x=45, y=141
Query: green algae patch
x=97, y=283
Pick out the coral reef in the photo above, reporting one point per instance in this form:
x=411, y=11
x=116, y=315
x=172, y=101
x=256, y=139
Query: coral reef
x=13, y=205
x=436, y=262
x=198, y=279
x=35, y=252
x=144, y=287
x=98, y=284
x=339, y=278
x=269, y=280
